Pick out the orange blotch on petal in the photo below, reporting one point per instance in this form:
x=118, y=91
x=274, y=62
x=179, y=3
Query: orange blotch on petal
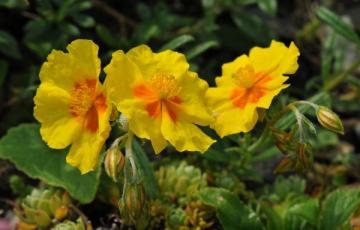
x=92, y=120
x=245, y=94
x=172, y=107
x=160, y=95
x=154, y=108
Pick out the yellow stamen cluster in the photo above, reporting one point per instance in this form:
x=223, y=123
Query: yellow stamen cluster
x=82, y=96
x=245, y=76
x=166, y=85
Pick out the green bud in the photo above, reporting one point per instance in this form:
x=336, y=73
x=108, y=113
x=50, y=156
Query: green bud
x=114, y=162
x=304, y=158
x=132, y=205
x=284, y=140
x=330, y=120
x=285, y=164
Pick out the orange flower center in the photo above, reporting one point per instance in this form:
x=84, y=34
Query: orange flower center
x=160, y=94
x=86, y=103
x=251, y=86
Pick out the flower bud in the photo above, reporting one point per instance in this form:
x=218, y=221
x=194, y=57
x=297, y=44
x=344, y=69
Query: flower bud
x=330, y=120
x=285, y=164
x=132, y=205
x=304, y=155
x=304, y=158
x=114, y=162
x=124, y=123
x=283, y=140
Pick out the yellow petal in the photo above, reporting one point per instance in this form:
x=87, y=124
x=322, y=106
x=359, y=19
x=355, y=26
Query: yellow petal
x=184, y=136
x=192, y=95
x=85, y=54
x=165, y=62
x=141, y=124
x=236, y=120
x=58, y=127
x=218, y=99
x=86, y=147
x=265, y=101
x=84, y=152
x=62, y=69
x=121, y=75
x=230, y=68
x=276, y=59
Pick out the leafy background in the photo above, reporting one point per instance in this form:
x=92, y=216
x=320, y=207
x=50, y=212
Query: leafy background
x=209, y=32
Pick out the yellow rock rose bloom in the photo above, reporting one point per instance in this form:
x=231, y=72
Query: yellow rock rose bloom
x=72, y=105
x=161, y=98
x=248, y=83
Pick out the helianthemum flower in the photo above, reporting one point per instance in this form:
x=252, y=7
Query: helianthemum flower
x=161, y=98
x=248, y=83
x=72, y=105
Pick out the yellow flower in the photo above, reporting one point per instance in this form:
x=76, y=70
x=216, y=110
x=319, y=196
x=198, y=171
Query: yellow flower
x=161, y=98
x=248, y=83
x=72, y=105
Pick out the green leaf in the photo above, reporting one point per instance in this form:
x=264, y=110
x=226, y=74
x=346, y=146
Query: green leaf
x=268, y=6
x=252, y=27
x=327, y=55
x=335, y=22
x=307, y=209
x=150, y=184
x=70, y=29
x=145, y=32
x=84, y=20
x=79, y=6
x=9, y=45
x=285, y=187
x=108, y=37
x=23, y=146
x=64, y=9
x=20, y=4
x=274, y=221
x=177, y=42
x=3, y=71
x=338, y=207
x=197, y=50
x=231, y=211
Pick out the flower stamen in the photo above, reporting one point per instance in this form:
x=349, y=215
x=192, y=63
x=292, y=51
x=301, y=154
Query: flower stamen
x=86, y=103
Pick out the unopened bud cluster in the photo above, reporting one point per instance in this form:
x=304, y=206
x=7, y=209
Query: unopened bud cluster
x=297, y=155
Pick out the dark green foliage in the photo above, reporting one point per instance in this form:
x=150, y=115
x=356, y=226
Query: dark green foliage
x=233, y=185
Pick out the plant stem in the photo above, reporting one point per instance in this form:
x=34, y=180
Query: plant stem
x=336, y=80
x=261, y=140
x=81, y=214
x=129, y=153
